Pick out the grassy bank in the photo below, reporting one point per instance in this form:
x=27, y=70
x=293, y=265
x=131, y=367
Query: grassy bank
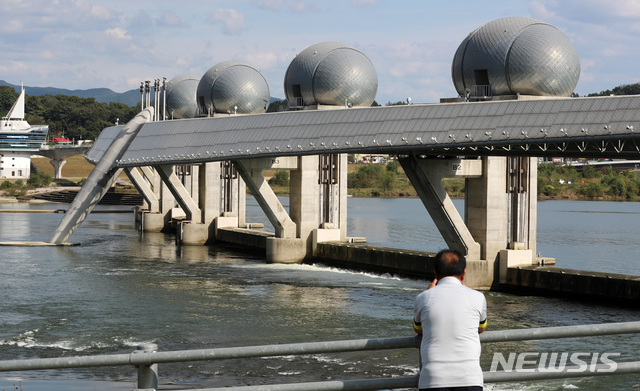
x=75, y=169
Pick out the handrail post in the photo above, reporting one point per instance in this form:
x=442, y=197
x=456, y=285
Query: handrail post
x=147, y=374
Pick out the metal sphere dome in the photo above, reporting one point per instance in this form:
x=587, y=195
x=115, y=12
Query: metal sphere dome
x=235, y=87
x=331, y=73
x=181, y=97
x=517, y=56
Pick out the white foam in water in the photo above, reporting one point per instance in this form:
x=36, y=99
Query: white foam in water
x=315, y=268
x=29, y=340
x=330, y=360
x=131, y=342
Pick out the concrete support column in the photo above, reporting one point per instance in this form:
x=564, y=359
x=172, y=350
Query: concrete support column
x=143, y=187
x=332, y=184
x=229, y=188
x=251, y=173
x=182, y=196
x=156, y=182
x=522, y=189
x=153, y=180
x=486, y=206
x=304, y=197
x=426, y=176
x=195, y=183
x=158, y=217
x=209, y=191
x=57, y=167
x=533, y=205
x=167, y=204
x=209, y=195
x=205, y=187
x=342, y=194
x=242, y=202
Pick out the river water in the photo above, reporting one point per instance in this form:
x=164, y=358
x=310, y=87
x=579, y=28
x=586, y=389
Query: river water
x=121, y=288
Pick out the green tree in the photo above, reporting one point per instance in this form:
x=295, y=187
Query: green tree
x=372, y=176
x=39, y=179
x=590, y=172
x=546, y=169
x=280, y=178
x=7, y=97
x=549, y=190
x=618, y=187
x=393, y=167
x=591, y=190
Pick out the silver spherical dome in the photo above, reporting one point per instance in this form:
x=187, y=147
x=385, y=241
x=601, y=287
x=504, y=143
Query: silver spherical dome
x=517, y=55
x=233, y=86
x=181, y=97
x=331, y=73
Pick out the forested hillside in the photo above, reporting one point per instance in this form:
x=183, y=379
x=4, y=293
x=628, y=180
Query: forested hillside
x=71, y=116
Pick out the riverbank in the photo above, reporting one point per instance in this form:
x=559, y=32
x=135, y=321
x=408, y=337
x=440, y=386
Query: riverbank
x=30, y=193
x=555, y=182
x=569, y=195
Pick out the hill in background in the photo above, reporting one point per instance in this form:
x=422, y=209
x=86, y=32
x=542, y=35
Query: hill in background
x=103, y=95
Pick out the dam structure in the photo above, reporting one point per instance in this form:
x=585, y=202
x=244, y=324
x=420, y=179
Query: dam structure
x=194, y=158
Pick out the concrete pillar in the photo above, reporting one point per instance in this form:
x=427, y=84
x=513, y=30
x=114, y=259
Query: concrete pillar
x=486, y=206
x=332, y=186
x=533, y=205
x=167, y=204
x=209, y=191
x=57, y=167
x=158, y=217
x=251, y=173
x=304, y=197
x=188, y=232
x=143, y=186
x=501, y=206
x=524, y=208
x=242, y=202
x=182, y=196
x=195, y=182
x=426, y=176
x=342, y=198
x=229, y=188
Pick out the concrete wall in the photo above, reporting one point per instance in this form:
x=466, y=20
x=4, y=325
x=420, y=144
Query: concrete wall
x=408, y=263
x=581, y=284
x=252, y=240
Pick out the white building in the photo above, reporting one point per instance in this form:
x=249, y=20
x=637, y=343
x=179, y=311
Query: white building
x=18, y=140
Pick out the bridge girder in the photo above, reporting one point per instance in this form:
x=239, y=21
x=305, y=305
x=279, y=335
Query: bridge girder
x=604, y=127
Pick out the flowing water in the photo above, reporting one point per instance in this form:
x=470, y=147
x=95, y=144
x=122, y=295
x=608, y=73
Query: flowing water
x=121, y=288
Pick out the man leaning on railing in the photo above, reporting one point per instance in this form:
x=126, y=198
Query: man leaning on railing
x=450, y=316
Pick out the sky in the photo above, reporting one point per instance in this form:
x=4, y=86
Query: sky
x=81, y=44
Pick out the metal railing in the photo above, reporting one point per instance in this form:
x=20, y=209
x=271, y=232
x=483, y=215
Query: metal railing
x=481, y=92
x=146, y=358
x=296, y=103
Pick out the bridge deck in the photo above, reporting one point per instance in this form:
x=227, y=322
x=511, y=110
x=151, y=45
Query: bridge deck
x=587, y=127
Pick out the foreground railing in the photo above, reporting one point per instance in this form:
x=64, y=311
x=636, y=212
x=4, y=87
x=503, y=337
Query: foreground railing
x=146, y=358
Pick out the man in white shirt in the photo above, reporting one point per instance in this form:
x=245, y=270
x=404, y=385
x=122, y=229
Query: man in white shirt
x=450, y=316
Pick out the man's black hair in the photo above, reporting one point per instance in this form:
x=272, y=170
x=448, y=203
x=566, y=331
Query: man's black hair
x=450, y=263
